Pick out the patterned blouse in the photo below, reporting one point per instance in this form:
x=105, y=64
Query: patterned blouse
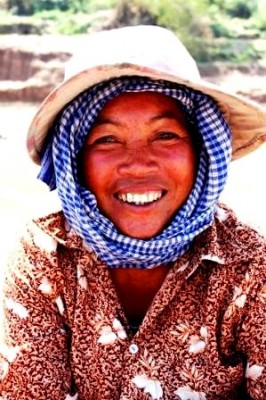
x=67, y=337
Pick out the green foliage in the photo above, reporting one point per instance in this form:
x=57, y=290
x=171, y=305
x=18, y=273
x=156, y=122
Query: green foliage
x=240, y=8
x=220, y=29
x=179, y=14
x=72, y=25
x=134, y=12
x=23, y=7
x=29, y=7
x=259, y=17
x=69, y=23
x=237, y=51
x=187, y=19
x=66, y=22
x=96, y=5
x=235, y=8
x=49, y=15
x=212, y=30
x=61, y=5
x=261, y=22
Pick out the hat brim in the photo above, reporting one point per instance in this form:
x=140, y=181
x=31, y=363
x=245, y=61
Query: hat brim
x=247, y=120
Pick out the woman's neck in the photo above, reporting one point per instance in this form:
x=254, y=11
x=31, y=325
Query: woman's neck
x=136, y=289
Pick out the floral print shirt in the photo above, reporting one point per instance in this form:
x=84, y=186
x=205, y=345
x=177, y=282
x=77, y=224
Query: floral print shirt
x=66, y=335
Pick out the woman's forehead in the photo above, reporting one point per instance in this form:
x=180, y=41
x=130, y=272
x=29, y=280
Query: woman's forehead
x=159, y=104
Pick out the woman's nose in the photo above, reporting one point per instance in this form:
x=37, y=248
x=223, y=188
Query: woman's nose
x=138, y=160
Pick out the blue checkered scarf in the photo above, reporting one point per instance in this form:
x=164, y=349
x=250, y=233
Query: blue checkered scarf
x=59, y=170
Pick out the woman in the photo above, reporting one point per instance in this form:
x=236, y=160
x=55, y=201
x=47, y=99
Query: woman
x=143, y=287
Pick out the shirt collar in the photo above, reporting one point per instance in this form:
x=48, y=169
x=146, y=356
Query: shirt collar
x=205, y=247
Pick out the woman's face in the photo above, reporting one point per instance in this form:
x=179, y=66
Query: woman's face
x=139, y=162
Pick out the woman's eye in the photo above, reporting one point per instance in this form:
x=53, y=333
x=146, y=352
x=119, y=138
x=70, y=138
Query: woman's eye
x=105, y=140
x=167, y=136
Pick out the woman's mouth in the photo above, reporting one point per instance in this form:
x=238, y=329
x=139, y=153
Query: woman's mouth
x=140, y=198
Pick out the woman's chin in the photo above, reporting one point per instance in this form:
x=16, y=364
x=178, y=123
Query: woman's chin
x=140, y=232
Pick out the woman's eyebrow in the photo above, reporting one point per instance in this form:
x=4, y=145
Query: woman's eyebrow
x=167, y=115
x=106, y=121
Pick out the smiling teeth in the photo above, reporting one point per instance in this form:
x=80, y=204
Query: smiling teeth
x=143, y=198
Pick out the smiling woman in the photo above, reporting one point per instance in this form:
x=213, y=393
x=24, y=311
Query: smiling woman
x=144, y=286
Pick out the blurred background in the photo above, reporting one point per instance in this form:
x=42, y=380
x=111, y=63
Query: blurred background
x=226, y=37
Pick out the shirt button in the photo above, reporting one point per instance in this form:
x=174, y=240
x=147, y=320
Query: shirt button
x=133, y=348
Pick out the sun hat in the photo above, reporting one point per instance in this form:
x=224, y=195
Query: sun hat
x=153, y=52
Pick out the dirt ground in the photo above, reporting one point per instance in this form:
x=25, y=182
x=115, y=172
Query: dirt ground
x=23, y=197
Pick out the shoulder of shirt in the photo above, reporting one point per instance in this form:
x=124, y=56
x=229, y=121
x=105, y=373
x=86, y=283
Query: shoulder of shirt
x=232, y=240
x=55, y=227
x=226, y=220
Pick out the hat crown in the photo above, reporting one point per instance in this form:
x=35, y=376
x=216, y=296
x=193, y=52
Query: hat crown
x=146, y=46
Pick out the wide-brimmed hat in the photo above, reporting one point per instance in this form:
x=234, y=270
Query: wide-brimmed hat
x=153, y=52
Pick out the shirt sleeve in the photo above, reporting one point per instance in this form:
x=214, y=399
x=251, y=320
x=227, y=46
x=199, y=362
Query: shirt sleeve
x=252, y=339
x=34, y=345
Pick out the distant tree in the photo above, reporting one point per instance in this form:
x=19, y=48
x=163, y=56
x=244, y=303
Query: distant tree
x=20, y=7
x=236, y=8
x=28, y=7
x=41, y=5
